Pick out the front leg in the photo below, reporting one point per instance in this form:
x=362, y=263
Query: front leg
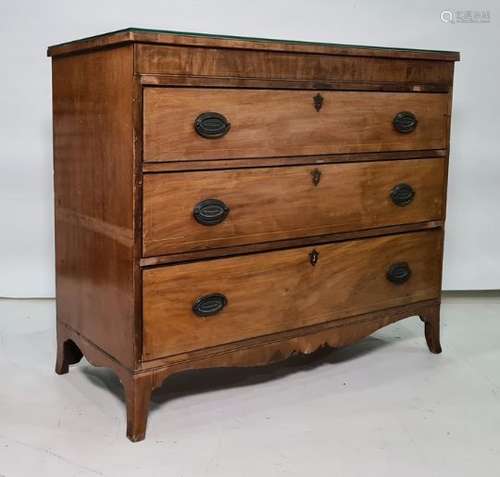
x=431, y=318
x=138, y=388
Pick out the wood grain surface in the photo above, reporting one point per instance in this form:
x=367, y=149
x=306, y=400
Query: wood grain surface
x=94, y=190
x=283, y=244
x=276, y=291
x=231, y=64
x=165, y=37
x=280, y=123
x=289, y=161
x=333, y=83
x=269, y=204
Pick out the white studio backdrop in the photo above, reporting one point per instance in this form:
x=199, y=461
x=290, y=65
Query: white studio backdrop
x=472, y=254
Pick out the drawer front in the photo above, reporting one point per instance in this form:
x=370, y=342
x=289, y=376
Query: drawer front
x=203, y=304
x=201, y=210
x=264, y=123
x=228, y=64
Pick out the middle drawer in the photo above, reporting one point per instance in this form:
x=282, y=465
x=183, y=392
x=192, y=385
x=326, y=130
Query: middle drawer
x=201, y=210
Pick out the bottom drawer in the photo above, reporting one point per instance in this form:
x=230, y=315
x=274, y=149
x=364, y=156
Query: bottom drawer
x=202, y=304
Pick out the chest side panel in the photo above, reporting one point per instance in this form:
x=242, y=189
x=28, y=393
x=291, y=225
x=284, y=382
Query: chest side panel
x=94, y=181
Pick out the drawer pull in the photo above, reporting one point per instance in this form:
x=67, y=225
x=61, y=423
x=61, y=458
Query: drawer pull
x=209, y=305
x=405, y=122
x=399, y=273
x=211, y=125
x=210, y=212
x=402, y=194
x=318, y=102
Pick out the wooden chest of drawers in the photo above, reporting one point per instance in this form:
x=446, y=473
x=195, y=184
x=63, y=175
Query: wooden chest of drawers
x=228, y=202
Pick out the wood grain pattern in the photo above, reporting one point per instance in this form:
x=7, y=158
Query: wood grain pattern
x=140, y=35
x=281, y=123
x=270, y=83
x=264, y=65
x=270, y=204
x=283, y=244
x=92, y=110
x=270, y=348
x=289, y=161
x=275, y=291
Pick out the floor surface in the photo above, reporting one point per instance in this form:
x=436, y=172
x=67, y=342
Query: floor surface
x=382, y=407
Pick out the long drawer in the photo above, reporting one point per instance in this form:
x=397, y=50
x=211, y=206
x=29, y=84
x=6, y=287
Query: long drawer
x=195, y=123
x=200, y=210
x=198, y=305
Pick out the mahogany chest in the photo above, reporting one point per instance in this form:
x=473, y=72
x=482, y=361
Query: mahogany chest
x=224, y=201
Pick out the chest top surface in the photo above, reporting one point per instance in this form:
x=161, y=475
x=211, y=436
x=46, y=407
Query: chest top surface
x=166, y=37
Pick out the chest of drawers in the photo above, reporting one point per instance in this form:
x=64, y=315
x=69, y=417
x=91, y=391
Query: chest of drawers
x=228, y=202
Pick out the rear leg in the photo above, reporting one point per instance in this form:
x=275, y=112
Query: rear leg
x=431, y=318
x=67, y=352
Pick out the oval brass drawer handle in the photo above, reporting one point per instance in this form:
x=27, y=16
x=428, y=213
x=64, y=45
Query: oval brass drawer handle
x=405, y=122
x=402, y=194
x=399, y=273
x=209, y=305
x=211, y=125
x=210, y=212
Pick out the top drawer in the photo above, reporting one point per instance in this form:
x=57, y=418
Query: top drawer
x=269, y=123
